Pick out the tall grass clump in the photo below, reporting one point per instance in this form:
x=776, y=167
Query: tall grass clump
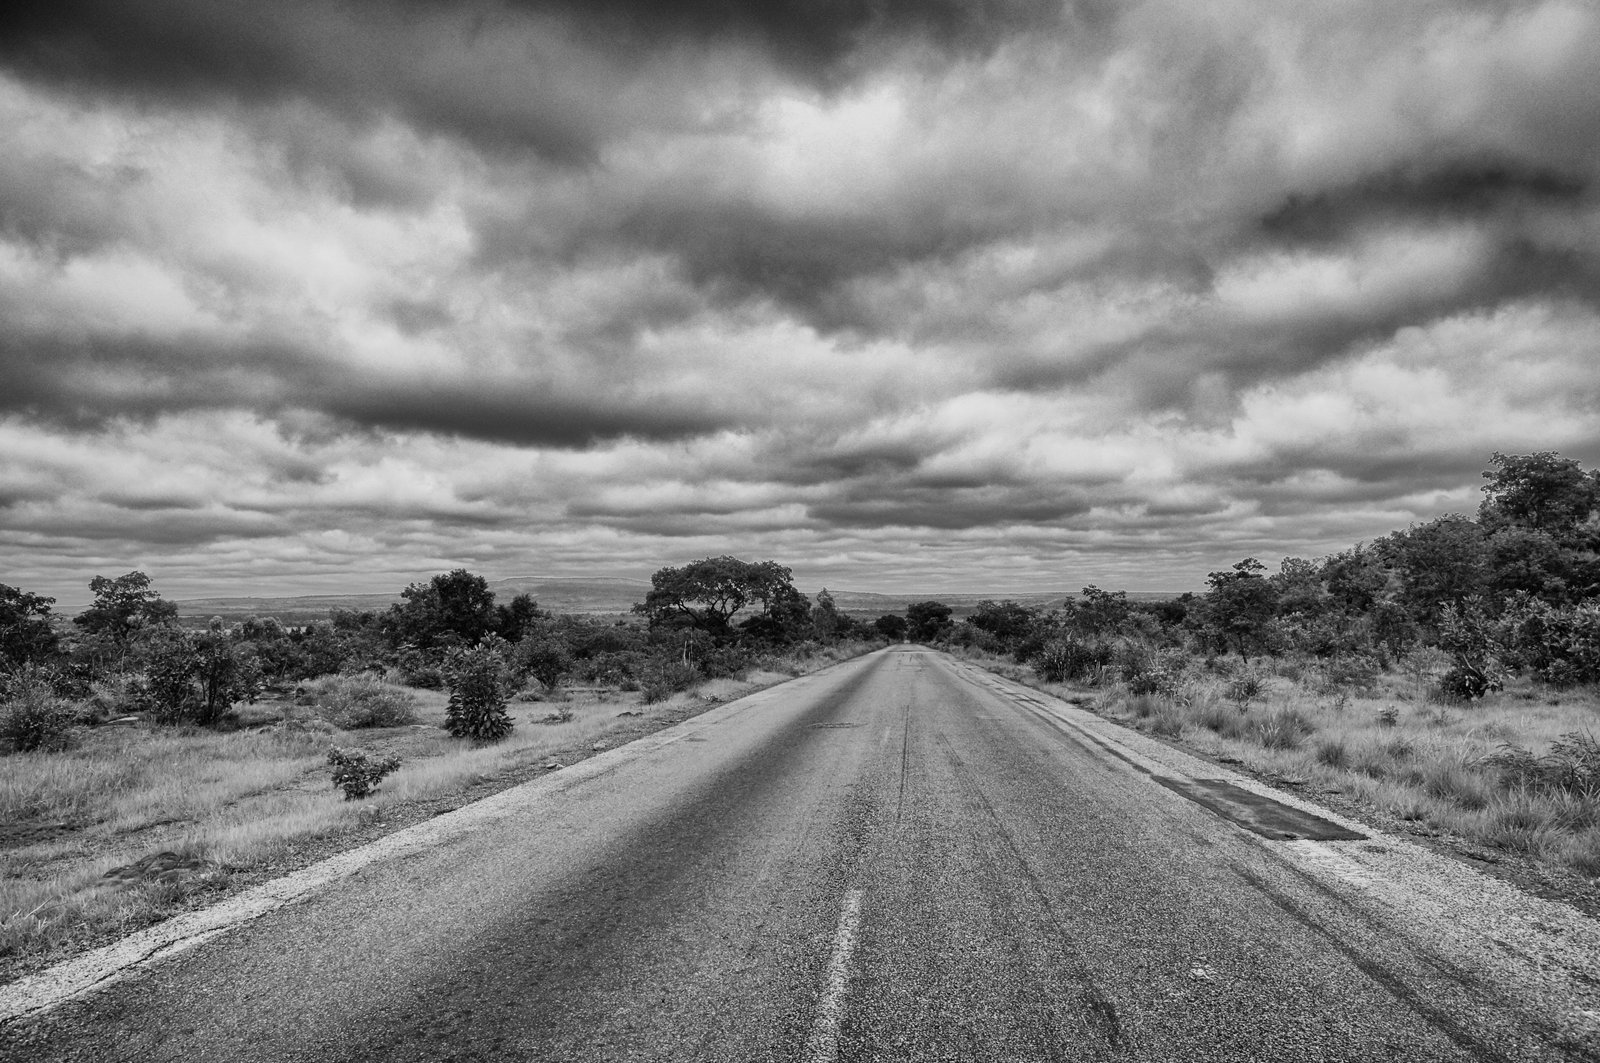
x=32, y=717
x=356, y=701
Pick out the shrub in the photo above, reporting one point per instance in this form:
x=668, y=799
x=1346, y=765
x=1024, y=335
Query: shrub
x=1359, y=671
x=357, y=773
x=664, y=678
x=115, y=695
x=545, y=658
x=1572, y=766
x=479, y=686
x=1067, y=660
x=420, y=670
x=355, y=701
x=197, y=678
x=32, y=717
x=1470, y=638
x=1155, y=682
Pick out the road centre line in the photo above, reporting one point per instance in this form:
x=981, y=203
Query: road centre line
x=823, y=1044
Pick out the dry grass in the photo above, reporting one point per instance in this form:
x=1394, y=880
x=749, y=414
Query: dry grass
x=243, y=800
x=1386, y=746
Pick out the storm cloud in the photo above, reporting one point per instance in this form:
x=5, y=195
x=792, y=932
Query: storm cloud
x=963, y=294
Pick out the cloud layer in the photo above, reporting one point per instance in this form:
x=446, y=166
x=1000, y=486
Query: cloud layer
x=925, y=296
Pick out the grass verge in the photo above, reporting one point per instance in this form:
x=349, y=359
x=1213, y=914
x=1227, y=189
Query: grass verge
x=1500, y=775
x=235, y=808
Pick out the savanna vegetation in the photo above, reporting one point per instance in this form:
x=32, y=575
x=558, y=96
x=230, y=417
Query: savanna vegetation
x=1445, y=675
x=150, y=766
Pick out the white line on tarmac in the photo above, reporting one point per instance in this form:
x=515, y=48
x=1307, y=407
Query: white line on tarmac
x=823, y=1044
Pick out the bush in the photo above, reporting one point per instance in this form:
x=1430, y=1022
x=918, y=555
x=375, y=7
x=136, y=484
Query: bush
x=479, y=686
x=420, y=670
x=1068, y=660
x=355, y=701
x=1572, y=765
x=115, y=695
x=32, y=717
x=197, y=678
x=1354, y=670
x=357, y=773
x=664, y=678
x=545, y=658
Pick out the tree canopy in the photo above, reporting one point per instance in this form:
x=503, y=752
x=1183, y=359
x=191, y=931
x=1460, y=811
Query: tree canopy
x=25, y=632
x=708, y=593
x=122, y=604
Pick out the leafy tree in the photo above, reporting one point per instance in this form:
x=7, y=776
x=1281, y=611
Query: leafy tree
x=1006, y=621
x=517, y=618
x=453, y=608
x=545, y=657
x=25, y=632
x=123, y=605
x=926, y=621
x=1099, y=613
x=196, y=678
x=1543, y=492
x=1528, y=560
x=891, y=626
x=825, y=618
x=1440, y=562
x=1240, y=606
x=706, y=594
x=1355, y=578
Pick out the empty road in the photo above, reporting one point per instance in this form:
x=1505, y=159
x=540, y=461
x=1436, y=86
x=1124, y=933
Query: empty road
x=900, y=858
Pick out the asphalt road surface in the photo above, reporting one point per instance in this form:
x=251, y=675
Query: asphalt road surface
x=900, y=858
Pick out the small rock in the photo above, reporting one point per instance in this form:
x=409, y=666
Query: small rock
x=598, y=746
x=552, y=765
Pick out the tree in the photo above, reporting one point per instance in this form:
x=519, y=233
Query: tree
x=1544, y=492
x=454, y=608
x=706, y=594
x=1440, y=562
x=891, y=626
x=197, y=678
x=25, y=632
x=123, y=605
x=825, y=619
x=545, y=657
x=1240, y=606
x=1100, y=612
x=1006, y=621
x=926, y=621
x=517, y=618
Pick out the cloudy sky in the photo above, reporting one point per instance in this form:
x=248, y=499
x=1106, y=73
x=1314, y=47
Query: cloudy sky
x=982, y=295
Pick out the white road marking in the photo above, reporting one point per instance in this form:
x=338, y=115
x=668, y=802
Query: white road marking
x=823, y=1044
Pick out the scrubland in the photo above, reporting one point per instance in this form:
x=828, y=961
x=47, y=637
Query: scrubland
x=1517, y=771
x=234, y=804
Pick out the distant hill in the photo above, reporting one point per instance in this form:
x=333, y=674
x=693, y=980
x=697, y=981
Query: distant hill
x=593, y=595
x=868, y=604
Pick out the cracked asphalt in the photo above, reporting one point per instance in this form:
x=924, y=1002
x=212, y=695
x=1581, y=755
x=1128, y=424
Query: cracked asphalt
x=899, y=858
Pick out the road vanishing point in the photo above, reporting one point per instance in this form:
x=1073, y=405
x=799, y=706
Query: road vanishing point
x=901, y=857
